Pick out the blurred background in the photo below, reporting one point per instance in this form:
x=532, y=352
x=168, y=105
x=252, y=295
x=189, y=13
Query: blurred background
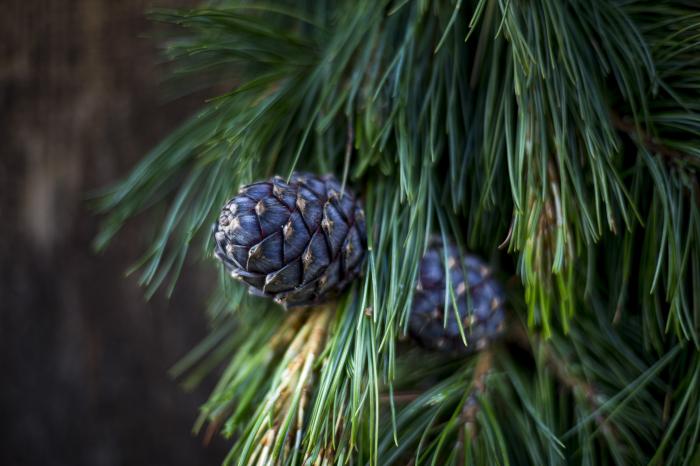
x=83, y=356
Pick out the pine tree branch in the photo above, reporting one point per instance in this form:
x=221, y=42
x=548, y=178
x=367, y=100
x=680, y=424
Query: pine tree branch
x=560, y=368
x=403, y=397
x=626, y=125
x=467, y=134
x=577, y=384
x=483, y=366
x=469, y=428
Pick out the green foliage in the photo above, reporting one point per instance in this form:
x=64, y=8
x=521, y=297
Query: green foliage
x=564, y=131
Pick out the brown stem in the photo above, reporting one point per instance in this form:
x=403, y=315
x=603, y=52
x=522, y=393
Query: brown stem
x=469, y=426
x=213, y=428
x=626, y=125
x=482, y=369
x=519, y=335
x=561, y=371
x=403, y=397
x=574, y=384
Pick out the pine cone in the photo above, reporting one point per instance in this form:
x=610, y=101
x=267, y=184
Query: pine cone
x=299, y=242
x=480, y=301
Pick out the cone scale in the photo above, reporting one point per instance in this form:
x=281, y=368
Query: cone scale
x=299, y=242
x=479, y=300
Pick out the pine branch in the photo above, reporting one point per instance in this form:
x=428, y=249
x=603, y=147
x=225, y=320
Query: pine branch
x=507, y=135
x=481, y=371
x=653, y=145
x=579, y=386
x=469, y=429
x=561, y=370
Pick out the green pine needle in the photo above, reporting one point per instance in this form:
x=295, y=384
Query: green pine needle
x=558, y=138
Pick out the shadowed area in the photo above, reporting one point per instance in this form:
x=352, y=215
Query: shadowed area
x=83, y=356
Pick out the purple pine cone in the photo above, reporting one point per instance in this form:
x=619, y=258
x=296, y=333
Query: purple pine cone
x=300, y=242
x=480, y=300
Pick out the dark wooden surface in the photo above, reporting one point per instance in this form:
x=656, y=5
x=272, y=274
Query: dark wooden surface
x=83, y=357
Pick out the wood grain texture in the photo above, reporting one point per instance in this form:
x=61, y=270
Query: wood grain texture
x=83, y=357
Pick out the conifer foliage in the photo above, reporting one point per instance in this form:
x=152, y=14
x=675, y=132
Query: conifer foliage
x=559, y=140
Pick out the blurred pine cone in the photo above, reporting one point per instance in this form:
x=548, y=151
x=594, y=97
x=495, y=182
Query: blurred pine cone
x=479, y=299
x=299, y=242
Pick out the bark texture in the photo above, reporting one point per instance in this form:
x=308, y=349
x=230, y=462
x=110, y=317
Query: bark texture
x=83, y=357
